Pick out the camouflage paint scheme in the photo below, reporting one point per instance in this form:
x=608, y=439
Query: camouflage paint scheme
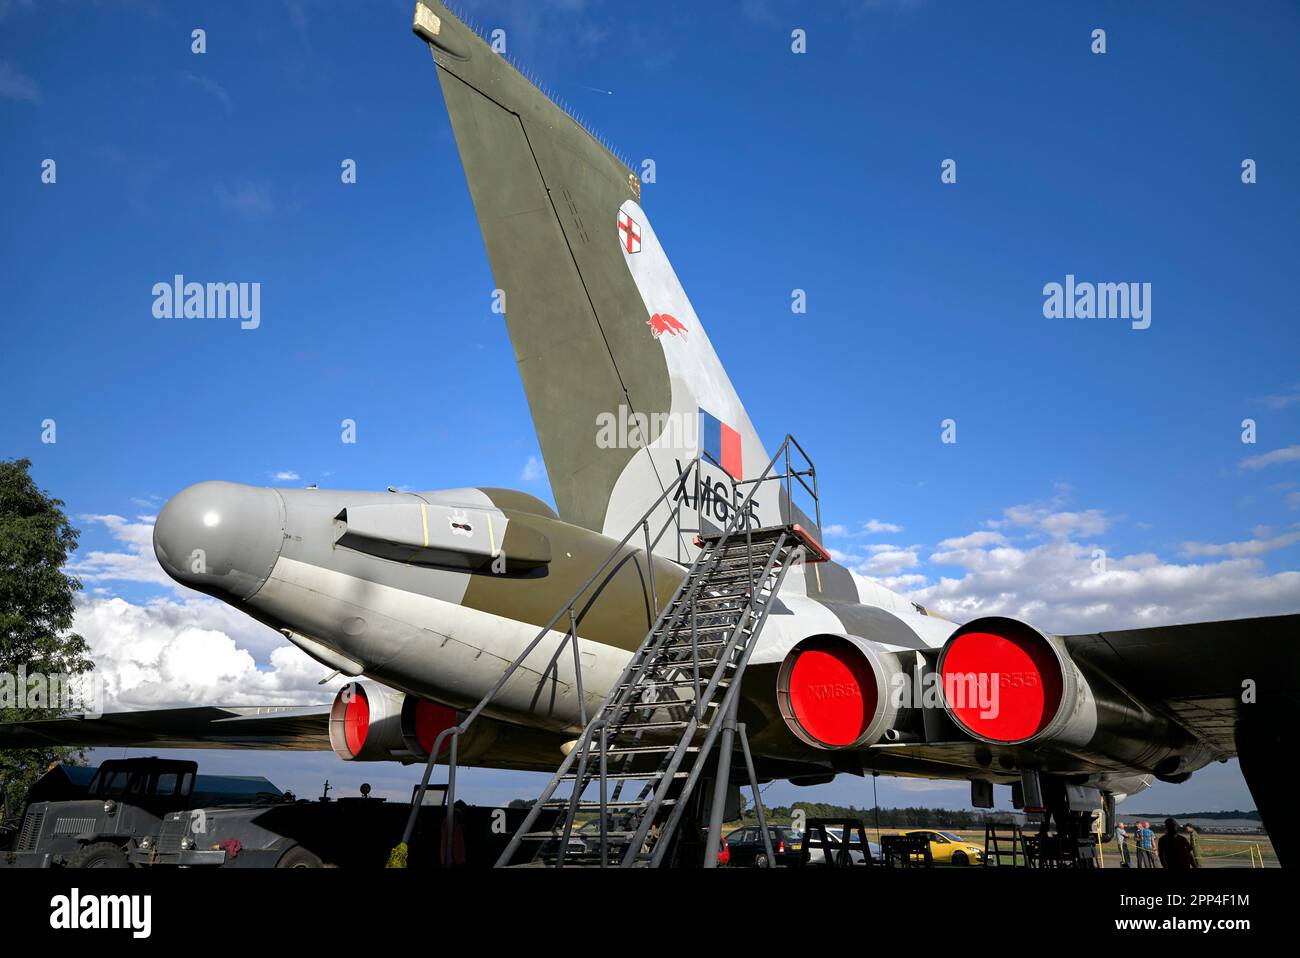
x=401, y=587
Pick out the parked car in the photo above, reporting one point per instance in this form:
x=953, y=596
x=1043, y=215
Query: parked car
x=817, y=856
x=949, y=849
x=746, y=849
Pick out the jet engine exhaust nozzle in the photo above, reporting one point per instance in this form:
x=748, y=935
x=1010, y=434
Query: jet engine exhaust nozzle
x=834, y=692
x=1004, y=681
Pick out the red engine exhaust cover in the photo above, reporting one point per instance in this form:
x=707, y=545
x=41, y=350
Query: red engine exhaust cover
x=829, y=694
x=1002, y=680
x=426, y=720
x=370, y=722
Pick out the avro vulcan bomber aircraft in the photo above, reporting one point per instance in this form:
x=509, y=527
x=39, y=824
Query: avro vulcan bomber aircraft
x=677, y=581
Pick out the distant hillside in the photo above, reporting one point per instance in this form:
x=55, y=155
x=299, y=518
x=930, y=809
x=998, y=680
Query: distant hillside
x=911, y=817
x=1236, y=813
x=918, y=817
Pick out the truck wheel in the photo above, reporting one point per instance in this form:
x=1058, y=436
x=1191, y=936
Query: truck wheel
x=99, y=855
x=299, y=857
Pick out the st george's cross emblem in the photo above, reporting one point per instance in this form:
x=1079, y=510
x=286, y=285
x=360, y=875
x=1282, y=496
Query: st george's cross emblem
x=629, y=233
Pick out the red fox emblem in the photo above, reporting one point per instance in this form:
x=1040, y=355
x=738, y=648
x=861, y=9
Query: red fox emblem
x=661, y=323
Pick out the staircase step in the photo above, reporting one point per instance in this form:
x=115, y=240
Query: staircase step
x=683, y=644
x=647, y=749
x=737, y=570
x=644, y=726
x=590, y=806
x=682, y=633
x=685, y=663
x=733, y=552
x=553, y=836
x=627, y=776
x=680, y=655
x=719, y=621
x=674, y=684
x=665, y=704
x=716, y=596
x=685, y=628
x=738, y=557
x=705, y=664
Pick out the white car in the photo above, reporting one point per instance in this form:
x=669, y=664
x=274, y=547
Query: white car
x=819, y=856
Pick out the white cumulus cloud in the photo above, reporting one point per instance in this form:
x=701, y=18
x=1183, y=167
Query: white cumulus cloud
x=1261, y=544
x=1065, y=586
x=533, y=470
x=1286, y=454
x=170, y=654
x=875, y=525
x=136, y=564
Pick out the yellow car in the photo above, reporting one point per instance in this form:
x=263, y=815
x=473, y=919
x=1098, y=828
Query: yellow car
x=949, y=849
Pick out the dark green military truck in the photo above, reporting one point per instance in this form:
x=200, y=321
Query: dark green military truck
x=73, y=823
x=342, y=833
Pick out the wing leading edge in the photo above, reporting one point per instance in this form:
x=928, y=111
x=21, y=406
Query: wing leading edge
x=1205, y=675
x=301, y=728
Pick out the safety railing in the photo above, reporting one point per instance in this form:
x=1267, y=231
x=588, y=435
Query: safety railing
x=450, y=737
x=696, y=579
x=569, y=609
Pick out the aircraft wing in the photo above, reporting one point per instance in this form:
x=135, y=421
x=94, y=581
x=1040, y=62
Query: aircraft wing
x=1198, y=673
x=303, y=728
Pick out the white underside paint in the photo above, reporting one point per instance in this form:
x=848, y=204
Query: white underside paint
x=454, y=654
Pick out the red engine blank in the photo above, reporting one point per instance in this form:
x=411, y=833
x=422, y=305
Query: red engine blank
x=431, y=719
x=832, y=691
x=356, y=720
x=1025, y=672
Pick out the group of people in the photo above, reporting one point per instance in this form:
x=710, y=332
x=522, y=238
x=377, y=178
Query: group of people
x=1175, y=849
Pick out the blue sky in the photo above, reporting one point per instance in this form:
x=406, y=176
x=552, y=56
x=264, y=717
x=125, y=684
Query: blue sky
x=775, y=171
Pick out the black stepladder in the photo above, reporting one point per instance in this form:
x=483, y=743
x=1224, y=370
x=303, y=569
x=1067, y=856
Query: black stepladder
x=1004, y=846
x=683, y=681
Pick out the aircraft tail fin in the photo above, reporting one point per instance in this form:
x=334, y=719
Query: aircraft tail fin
x=622, y=381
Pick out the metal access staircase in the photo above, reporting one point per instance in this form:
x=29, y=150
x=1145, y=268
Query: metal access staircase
x=660, y=722
x=657, y=727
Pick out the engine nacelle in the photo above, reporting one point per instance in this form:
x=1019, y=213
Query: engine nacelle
x=370, y=722
x=835, y=691
x=1006, y=683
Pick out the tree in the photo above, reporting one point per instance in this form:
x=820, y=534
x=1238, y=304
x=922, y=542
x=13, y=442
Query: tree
x=36, y=610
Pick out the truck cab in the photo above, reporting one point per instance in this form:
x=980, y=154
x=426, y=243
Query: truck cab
x=124, y=803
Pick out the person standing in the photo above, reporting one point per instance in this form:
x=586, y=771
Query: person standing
x=1191, y=840
x=1146, y=846
x=1121, y=838
x=1175, y=850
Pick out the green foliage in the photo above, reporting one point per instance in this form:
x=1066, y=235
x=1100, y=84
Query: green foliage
x=893, y=818
x=36, y=609
x=1161, y=816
